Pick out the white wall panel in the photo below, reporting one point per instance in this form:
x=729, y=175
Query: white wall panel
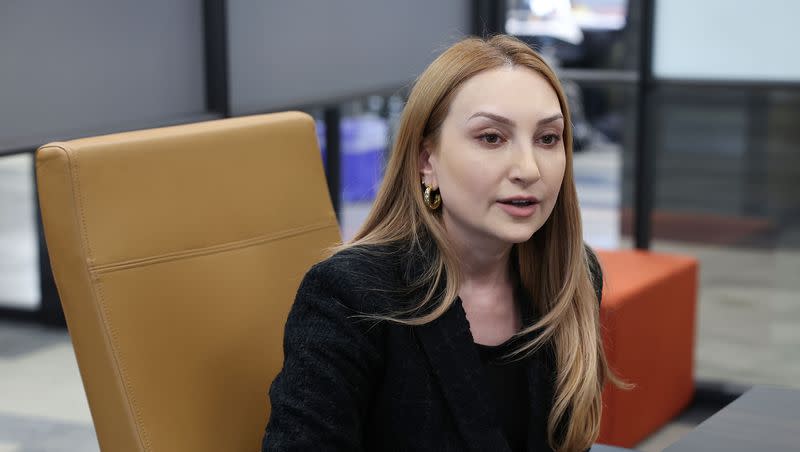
x=727, y=40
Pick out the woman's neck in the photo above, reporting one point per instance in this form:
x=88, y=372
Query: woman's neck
x=487, y=294
x=483, y=267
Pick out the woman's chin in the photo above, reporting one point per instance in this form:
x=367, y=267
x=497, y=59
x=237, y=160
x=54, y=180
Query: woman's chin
x=517, y=236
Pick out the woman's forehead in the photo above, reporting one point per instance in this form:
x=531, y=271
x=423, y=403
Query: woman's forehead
x=516, y=92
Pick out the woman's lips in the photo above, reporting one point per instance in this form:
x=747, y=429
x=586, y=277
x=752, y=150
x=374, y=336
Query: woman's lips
x=519, y=210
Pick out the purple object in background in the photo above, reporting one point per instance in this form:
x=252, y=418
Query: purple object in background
x=320, y=125
x=364, y=141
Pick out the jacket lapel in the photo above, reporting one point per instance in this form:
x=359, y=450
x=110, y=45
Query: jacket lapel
x=453, y=357
x=450, y=349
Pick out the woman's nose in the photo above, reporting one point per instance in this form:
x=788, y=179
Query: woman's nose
x=524, y=168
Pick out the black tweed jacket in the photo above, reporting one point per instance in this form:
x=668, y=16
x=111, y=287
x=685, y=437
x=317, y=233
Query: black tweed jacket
x=349, y=384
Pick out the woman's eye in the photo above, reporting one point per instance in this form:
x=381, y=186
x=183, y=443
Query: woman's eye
x=491, y=138
x=549, y=140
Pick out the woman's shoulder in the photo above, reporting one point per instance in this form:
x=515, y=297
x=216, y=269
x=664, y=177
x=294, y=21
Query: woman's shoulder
x=350, y=274
x=354, y=263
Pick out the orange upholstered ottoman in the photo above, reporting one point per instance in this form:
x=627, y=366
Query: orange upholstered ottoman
x=648, y=321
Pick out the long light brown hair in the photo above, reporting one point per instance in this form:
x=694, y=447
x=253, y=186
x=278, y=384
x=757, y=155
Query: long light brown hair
x=553, y=265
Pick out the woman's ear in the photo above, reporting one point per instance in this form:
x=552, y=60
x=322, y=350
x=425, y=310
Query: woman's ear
x=427, y=164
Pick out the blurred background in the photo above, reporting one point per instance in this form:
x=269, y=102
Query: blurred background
x=685, y=115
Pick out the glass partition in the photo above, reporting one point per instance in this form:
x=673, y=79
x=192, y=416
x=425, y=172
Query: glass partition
x=19, y=246
x=726, y=192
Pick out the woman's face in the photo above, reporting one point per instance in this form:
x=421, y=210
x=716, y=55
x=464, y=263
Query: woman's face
x=500, y=158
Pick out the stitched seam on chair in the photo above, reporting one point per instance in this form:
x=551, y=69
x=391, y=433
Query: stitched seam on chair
x=110, y=332
x=108, y=268
x=129, y=392
x=78, y=197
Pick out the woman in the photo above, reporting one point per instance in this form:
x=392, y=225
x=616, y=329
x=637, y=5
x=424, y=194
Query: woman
x=464, y=314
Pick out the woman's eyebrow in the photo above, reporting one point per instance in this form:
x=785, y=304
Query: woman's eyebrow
x=509, y=122
x=494, y=117
x=549, y=119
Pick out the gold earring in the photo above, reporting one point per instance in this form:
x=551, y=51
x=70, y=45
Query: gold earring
x=432, y=197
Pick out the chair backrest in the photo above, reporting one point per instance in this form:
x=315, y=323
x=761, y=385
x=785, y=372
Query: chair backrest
x=177, y=253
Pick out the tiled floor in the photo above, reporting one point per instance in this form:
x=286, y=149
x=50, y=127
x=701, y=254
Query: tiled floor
x=748, y=328
x=42, y=403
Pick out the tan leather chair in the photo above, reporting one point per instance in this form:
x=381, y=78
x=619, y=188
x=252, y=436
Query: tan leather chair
x=177, y=253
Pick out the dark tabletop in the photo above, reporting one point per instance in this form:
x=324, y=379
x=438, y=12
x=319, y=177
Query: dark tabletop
x=762, y=419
